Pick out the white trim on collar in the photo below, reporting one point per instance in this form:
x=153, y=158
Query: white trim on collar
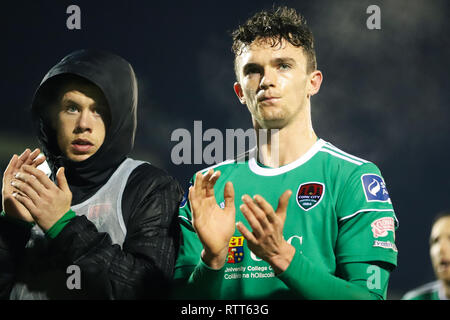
x=256, y=168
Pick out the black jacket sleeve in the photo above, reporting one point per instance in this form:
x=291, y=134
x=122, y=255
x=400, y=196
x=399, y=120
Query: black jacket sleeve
x=13, y=238
x=143, y=267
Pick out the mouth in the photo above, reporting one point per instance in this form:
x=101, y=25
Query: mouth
x=268, y=99
x=81, y=145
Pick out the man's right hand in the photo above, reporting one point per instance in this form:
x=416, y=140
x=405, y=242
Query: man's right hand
x=11, y=206
x=214, y=226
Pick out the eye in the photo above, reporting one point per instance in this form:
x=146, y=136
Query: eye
x=71, y=108
x=434, y=240
x=252, y=69
x=284, y=66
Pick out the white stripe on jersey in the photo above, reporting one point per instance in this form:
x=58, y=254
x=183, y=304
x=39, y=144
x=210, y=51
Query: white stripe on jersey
x=216, y=165
x=332, y=147
x=341, y=156
x=183, y=217
x=368, y=210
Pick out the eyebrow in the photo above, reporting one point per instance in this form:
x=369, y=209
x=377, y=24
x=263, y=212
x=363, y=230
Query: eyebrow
x=71, y=101
x=273, y=61
x=249, y=66
x=68, y=100
x=284, y=60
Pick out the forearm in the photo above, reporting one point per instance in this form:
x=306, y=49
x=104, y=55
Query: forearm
x=204, y=282
x=199, y=281
x=310, y=282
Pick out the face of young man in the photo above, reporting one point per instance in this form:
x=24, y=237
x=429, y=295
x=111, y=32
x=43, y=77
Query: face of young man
x=79, y=122
x=440, y=248
x=274, y=83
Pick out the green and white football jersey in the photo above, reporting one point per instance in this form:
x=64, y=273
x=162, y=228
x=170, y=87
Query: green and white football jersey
x=340, y=212
x=430, y=291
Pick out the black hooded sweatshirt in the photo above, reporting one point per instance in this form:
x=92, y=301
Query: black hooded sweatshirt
x=143, y=266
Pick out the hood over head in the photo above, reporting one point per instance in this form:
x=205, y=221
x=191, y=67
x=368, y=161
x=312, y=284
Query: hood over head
x=115, y=77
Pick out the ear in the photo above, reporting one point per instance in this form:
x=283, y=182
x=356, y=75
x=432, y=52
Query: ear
x=315, y=80
x=238, y=90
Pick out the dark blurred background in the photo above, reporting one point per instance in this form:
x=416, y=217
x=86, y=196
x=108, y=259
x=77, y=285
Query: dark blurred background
x=385, y=95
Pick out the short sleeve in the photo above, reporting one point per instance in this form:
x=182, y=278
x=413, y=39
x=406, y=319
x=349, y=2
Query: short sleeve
x=366, y=219
x=190, y=245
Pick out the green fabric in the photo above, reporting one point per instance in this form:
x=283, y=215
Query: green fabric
x=17, y=221
x=335, y=219
x=434, y=295
x=60, y=224
x=307, y=281
x=429, y=291
x=203, y=283
x=365, y=282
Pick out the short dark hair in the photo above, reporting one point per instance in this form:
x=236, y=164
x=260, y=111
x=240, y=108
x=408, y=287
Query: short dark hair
x=277, y=24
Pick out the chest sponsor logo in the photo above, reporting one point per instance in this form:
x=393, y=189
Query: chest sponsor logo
x=380, y=227
x=374, y=188
x=310, y=194
x=236, y=250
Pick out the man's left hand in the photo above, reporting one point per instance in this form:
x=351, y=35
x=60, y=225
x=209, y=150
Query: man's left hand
x=46, y=201
x=266, y=239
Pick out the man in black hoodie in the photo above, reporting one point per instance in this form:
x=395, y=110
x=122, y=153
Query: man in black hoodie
x=100, y=213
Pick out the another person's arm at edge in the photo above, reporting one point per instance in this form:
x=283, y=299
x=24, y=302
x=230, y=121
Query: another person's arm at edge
x=147, y=256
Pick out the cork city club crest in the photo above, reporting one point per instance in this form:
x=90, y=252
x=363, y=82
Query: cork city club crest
x=310, y=194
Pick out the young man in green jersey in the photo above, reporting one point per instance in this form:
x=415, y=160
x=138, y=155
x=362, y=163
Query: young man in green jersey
x=440, y=259
x=295, y=217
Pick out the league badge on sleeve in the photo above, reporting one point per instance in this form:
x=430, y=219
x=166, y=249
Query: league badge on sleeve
x=236, y=250
x=185, y=196
x=309, y=195
x=375, y=188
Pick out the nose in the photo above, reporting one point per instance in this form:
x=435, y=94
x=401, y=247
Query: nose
x=268, y=79
x=85, y=121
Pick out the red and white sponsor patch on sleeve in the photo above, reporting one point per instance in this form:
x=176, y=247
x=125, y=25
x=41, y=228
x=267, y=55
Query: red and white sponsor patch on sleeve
x=382, y=226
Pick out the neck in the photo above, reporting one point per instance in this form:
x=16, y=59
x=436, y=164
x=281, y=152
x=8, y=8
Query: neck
x=278, y=147
x=85, y=178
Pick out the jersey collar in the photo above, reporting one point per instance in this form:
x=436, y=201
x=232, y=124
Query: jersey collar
x=265, y=171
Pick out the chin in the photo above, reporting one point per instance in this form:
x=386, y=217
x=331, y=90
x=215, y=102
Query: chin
x=272, y=123
x=79, y=157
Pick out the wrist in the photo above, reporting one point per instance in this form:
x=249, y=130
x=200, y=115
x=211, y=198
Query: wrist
x=59, y=225
x=214, y=261
x=281, y=261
